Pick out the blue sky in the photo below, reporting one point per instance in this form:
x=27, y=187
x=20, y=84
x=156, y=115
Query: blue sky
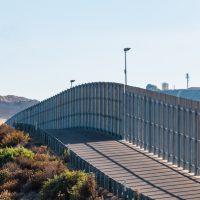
x=44, y=44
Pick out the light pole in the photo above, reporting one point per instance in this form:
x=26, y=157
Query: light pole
x=187, y=77
x=125, y=84
x=71, y=107
x=72, y=82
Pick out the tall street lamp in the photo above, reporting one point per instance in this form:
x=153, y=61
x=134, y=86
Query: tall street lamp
x=72, y=82
x=71, y=107
x=125, y=84
x=187, y=77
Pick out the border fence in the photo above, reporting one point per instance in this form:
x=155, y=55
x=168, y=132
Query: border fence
x=77, y=163
x=164, y=125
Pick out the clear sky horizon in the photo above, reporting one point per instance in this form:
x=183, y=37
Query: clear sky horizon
x=44, y=44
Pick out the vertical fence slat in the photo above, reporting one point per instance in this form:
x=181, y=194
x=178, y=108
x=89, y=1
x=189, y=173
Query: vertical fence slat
x=165, y=125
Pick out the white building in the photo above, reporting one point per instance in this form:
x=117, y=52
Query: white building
x=165, y=86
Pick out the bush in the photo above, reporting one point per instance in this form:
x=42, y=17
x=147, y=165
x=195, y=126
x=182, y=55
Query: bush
x=6, y=195
x=8, y=172
x=41, y=162
x=66, y=156
x=11, y=166
x=24, y=162
x=38, y=178
x=10, y=153
x=88, y=189
x=55, y=167
x=68, y=185
x=10, y=185
x=23, y=175
x=12, y=171
x=15, y=138
x=4, y=130
x=5, y=175
x=31, y=195
x=24, y=172
x=40, y=150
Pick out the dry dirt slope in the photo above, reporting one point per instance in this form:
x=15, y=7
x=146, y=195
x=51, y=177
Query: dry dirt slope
x=2, y=121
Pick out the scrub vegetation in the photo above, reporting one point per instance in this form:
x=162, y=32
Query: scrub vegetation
x=29, y=171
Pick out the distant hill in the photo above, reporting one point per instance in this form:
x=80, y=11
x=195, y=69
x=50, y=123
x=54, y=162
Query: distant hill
x=190, y=93
x=10, y=105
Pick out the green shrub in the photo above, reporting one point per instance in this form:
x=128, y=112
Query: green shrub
x=15, y=138
x=88, y=189
x=68, y=185
x=24, y=172
x=10, y=153
x=66, y=156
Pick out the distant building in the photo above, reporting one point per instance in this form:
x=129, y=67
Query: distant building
x=165, y=86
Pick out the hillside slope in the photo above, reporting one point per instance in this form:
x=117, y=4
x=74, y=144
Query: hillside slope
x=10, y=105
x=193, y=94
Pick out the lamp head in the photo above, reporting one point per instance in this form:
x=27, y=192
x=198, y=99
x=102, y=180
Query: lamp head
x=126, y=49
x=72, y=81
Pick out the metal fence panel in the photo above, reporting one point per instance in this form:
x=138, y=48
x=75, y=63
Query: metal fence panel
x=165, y=125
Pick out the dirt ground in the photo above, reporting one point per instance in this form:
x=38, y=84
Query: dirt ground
x=2, y=121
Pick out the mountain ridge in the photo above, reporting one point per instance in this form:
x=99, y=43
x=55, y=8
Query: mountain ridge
x=13, y=98
x=11, y=104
